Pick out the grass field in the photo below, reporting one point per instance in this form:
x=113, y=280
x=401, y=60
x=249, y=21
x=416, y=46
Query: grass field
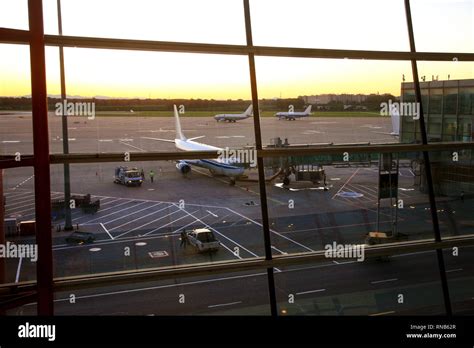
x=212, y=113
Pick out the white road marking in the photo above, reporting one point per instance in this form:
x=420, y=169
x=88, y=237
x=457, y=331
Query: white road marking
x=105, y=140
x=10, y=141
x=224, y=304
x=273, y=231
x=454, y=270
x=281, y=252
x=384, y=281
x=102, y=225
x=310, y=292
x=18, y=270
x=113, y=213
x=220, y=234
x=120, y=292
x=210, y=212
x=132, y=146
x=24, y=181
x=381, y=313
x=140, y=218
x=347, y=181
x=150, y=222
x=126, y=215
x=16, y=195
x=169, y=223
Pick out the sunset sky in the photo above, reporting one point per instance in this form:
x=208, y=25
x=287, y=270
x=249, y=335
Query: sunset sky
x=345, y=24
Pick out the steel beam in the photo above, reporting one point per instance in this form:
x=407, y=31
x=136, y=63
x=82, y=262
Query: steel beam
x=44, y=266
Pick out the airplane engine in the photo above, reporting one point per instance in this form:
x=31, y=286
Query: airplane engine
x=183, y=167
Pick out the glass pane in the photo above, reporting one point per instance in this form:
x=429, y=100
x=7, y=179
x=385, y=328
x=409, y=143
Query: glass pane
x=222, y=294
x=209, y=21
x=406, y=284
x=19, y=251
x=15, y=101
x=352, y=101
x=341, y=24
x=138, y=215
x=14, y=14
x=443, y=25
x=123, y=101
x=458, y=263
x=453, y=176
x=347, y=198
x=446, y=96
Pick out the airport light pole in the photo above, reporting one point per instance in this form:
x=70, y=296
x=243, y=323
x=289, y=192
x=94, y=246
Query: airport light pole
x=67, y=175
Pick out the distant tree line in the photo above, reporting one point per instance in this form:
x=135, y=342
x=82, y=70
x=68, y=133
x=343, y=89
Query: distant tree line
x=109, y=104
x=237, y=105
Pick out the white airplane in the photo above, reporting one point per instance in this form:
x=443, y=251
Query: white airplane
x=235, y=117
x=215, y=166
x=294, y=115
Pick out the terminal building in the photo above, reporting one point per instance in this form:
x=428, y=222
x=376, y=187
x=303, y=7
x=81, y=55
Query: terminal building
x=448, y=108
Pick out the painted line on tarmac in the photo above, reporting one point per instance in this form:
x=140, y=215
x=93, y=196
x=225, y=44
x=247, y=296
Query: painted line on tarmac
x=310, y=292
x=224, y=304
x=132, y=146
x=113, y=213
x=220, y=234
x=381, y=313
x=103, y=227
x=138, y=211
x=169, y=223
x=347, y=181
x=150, y=222
x=271, y=230
x=18, y=270
x=384, y=281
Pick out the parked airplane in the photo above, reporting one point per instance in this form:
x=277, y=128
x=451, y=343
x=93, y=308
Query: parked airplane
x=215, y=166
x=294, y=115
x=235, y=117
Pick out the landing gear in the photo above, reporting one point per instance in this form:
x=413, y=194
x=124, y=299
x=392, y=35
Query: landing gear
x=286, y=181
x=232, y=182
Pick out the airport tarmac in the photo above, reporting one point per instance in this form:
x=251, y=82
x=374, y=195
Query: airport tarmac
x=148, y=220
x=120, y=134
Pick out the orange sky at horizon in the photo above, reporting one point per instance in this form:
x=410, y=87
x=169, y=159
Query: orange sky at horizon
x=128, y=74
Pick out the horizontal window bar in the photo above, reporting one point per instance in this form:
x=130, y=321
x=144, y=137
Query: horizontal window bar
x=21, y=36
x=8, y=161
x=155, y=274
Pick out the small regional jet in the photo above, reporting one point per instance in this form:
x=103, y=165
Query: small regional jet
x=294, y=115
x=215, y=166
x=235, y=117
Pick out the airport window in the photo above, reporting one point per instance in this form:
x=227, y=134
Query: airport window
x=185, y=164
x=14, y=14
x=218, y=22
x=305, y=23
x=438, y=26
x=358, y=293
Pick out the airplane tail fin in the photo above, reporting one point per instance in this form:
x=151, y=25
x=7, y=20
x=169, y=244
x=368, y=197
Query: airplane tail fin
x=249, y=110
x=308, y=109
x=179, y=133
